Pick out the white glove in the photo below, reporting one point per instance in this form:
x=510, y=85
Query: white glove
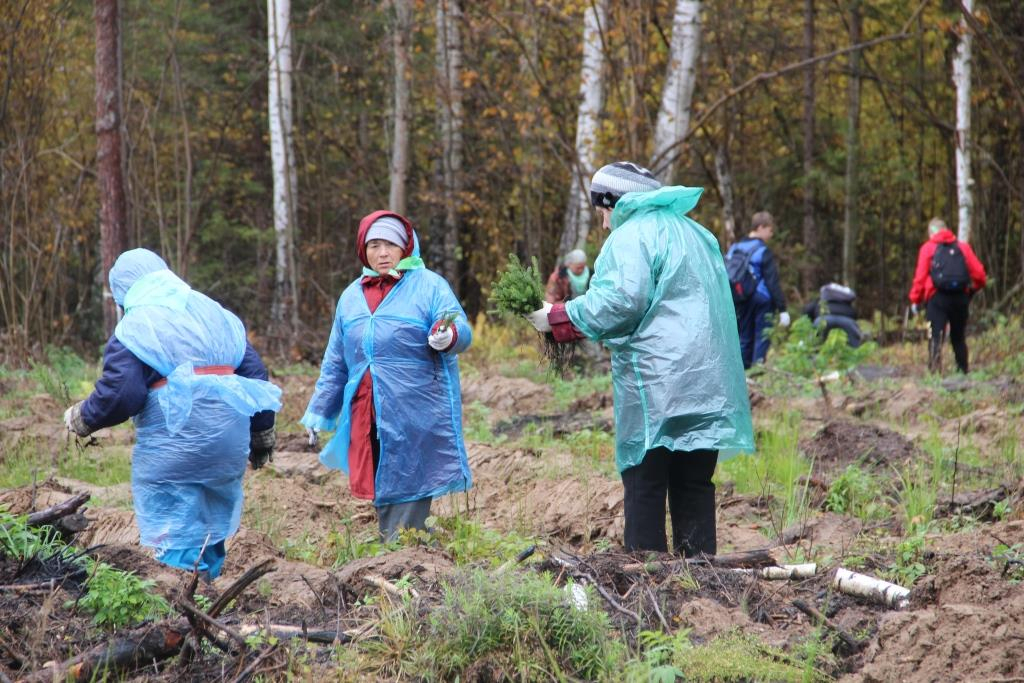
x=913, y=309
x=539, y=318
x=442, y=339
x=69, y=419
x=784, y=318
x=313, y=436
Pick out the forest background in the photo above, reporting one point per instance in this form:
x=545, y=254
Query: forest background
x=856, y=146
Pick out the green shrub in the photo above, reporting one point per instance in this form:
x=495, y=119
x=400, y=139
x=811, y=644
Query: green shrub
x=523, y=625
x=118, y=598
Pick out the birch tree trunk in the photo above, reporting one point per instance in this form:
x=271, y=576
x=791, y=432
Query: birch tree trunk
x=723, y=174
x=850, y=218
x=674, y=113
x=578, y=211
x=109, y=171
x=449, y=105
x=282, y=155
x=810, y=228
x=962, y=81
x=401, y=39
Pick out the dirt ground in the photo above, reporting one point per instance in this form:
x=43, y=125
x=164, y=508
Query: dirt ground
x=965, y=621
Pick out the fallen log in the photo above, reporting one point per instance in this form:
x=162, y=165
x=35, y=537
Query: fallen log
x=155, y=642
x=871, y=588
x=749, y=559
x=55, y=512
x=784, y=572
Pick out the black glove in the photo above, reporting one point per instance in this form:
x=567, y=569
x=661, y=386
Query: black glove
x=261, y=447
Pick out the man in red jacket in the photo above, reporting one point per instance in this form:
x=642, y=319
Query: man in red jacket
x=947, y=275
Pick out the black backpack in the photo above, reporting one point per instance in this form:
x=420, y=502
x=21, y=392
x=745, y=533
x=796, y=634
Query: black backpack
x=742, y=278
x=949, y=269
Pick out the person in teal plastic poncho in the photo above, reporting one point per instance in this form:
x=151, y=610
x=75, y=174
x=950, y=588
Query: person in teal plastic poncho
x=660, y=300
x=389, y=381
x=179, y=365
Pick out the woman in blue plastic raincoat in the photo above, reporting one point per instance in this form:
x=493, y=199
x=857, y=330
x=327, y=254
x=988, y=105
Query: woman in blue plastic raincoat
x=389, y=381
x=180, y=366
x=660, y=300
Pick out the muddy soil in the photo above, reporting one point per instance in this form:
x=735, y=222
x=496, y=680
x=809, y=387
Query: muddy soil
x=844, y=442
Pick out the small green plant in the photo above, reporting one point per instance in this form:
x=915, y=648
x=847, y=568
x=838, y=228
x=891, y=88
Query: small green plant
x=517, y=290
x=857, y=493
x=345, y=546
x=1010, y=560
x=118, y=598
x=908, y=566
x=467, y=541
x=1002, y=509
x=802, y=353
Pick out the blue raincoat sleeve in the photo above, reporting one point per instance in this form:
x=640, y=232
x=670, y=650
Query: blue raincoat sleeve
x=446, y=303
x=252, y=367
x=621, y=290
x=328, y=396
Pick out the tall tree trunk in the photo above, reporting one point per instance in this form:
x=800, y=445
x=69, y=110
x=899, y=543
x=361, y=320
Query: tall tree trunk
x=723, y=174
x=282, y=154
x=962, y=81
x=810, y=228
x=449, y=71
x=850, y=214
x=674, y=113
x=113, y=208
x=591, y=93
x=401, y=39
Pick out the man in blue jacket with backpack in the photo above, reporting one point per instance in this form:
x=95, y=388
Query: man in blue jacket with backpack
x=756, y=292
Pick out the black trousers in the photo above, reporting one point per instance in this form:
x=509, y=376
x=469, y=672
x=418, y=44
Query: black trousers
x=685, y=476
x=951, y=307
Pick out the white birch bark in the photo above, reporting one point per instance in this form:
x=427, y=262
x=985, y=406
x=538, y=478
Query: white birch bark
x=674, y=113
x=449, y=71
x=871, y=588
x=962, y=82
x=851, y=218
x=785, y=572
x=403, y=110
x=282, y=155
x=578, y=211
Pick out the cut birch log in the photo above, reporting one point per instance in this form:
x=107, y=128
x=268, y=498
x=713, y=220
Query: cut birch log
x=784, y=572
x=871, y=588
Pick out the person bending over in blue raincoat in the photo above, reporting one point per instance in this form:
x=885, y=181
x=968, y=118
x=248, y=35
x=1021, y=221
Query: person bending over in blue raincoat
x=179, y=365
x=389, y=381
x=660, y=300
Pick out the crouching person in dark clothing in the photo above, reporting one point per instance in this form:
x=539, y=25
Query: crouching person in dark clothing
x=179, y=365
x=833, y=309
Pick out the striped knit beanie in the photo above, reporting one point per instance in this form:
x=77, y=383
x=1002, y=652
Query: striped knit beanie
x=614, y=180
